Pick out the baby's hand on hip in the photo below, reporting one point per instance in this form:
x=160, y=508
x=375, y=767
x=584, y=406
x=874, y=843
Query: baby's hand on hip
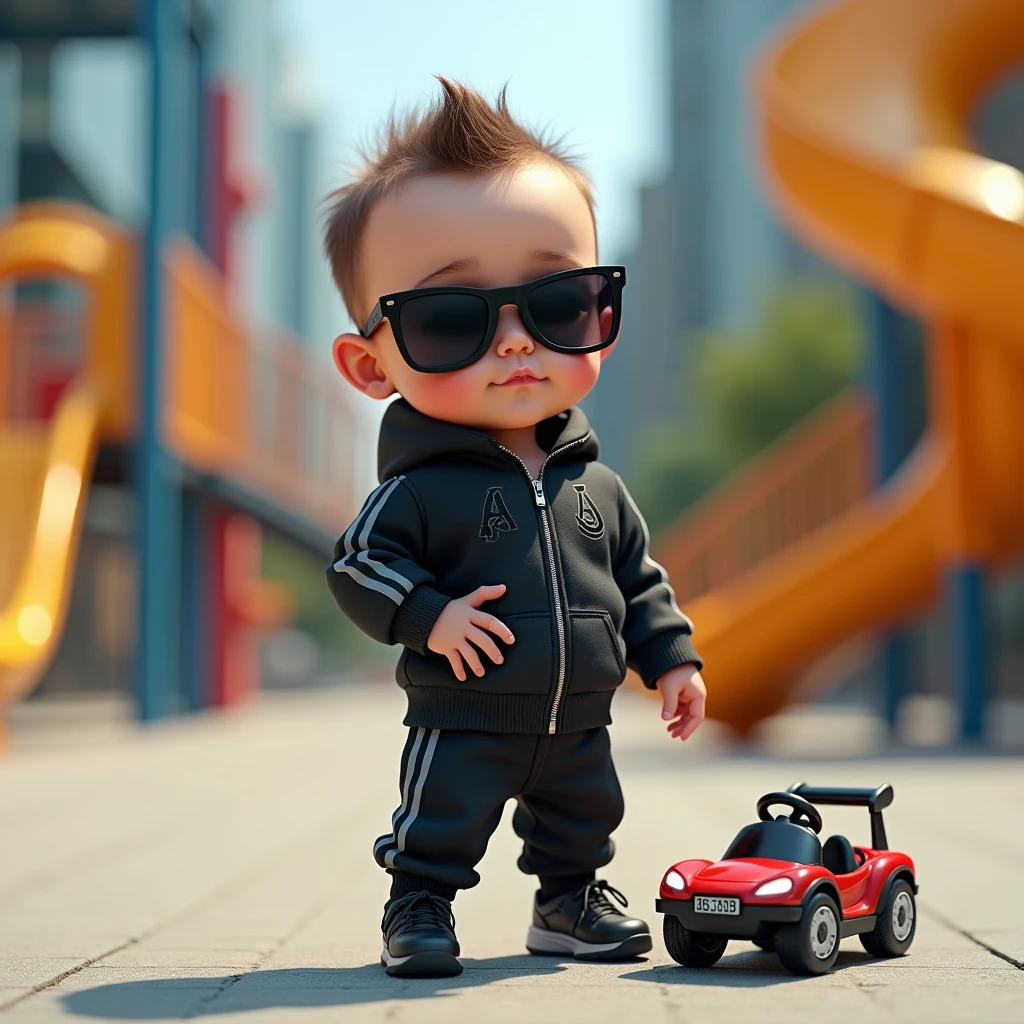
x=461, y=625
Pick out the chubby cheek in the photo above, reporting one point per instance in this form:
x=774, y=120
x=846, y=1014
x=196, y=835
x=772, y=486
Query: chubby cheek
x=574, y=375
x=446, y=396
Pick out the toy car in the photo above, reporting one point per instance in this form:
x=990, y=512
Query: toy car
x=778, y=887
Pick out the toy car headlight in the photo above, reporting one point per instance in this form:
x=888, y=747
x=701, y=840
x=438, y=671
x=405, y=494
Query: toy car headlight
x=674, y=880
x=776, y=887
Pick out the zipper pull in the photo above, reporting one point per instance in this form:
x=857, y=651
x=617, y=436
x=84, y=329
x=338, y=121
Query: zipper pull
x=538, y=493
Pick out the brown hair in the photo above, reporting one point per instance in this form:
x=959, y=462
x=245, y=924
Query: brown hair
x=459, y=132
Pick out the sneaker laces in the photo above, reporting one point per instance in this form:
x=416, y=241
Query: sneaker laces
x=424, y=910
x=595, y=898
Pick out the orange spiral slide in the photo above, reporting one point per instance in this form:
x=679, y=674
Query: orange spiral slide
x=862, y=112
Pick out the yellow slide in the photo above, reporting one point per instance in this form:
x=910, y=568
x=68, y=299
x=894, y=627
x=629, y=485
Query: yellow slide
x=862, y=110
x=45, y=468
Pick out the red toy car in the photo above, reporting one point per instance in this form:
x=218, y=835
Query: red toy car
x=778, y=887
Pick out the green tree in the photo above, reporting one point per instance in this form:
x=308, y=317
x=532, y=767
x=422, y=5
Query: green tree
x=746, y=388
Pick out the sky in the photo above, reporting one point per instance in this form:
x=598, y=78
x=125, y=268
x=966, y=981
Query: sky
x=593, y=70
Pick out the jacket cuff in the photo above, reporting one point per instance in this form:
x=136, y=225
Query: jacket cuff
x=416, y=616
x=662, y=653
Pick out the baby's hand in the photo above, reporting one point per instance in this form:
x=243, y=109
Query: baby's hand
x=460, y=622
x=683, y=696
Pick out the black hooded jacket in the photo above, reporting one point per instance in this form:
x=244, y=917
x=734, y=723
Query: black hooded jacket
x=583, y=599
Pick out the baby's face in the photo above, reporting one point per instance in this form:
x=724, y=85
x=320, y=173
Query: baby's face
x=487, y=232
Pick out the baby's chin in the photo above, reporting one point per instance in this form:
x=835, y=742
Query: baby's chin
x=494, y=412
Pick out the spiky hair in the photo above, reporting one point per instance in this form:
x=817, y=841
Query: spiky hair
x=459, y=132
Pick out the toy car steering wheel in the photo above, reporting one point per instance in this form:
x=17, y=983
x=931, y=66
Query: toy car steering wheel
x=805, y=813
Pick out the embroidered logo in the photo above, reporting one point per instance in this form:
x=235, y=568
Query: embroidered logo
x=496, y=518
x=588, y=516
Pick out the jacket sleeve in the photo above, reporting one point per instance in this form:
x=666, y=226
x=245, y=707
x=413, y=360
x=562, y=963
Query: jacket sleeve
x=658, y=635
x=377, y=575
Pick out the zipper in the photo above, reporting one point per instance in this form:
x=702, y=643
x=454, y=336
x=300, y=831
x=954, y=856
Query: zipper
x=541, y=501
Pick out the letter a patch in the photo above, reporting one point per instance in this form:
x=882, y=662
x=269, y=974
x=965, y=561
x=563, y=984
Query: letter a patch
x=588, y=516
x=496, y=518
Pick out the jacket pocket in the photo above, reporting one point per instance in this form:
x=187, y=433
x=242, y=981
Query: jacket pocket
x=597, y=659
x=528, y=666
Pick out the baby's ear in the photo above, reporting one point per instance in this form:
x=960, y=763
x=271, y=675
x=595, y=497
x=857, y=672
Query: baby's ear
x=357, y=361
x=606, y=352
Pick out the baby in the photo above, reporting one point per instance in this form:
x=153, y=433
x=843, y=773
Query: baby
x=508, y=562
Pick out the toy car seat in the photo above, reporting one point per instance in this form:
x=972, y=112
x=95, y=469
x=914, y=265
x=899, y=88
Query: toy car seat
x=837, y=855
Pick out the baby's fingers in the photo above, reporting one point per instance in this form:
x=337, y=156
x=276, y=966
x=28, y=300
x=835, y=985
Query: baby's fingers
x=455, y=660
x=689, y=727
x=494, y=624
x=486, y=644
x=682, y=727
x=470, y=656
x=485, y=593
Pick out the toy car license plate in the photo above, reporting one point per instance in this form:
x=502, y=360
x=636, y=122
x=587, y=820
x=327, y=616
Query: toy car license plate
x=716, y=904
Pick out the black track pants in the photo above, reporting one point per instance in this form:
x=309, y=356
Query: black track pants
x=455, y=783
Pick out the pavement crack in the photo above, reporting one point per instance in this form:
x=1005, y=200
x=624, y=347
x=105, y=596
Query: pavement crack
x=50, y=982
x=203, y=1005
x=954, y=927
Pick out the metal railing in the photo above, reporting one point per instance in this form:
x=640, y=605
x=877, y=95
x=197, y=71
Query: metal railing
x=811, y=475
x=253, y=406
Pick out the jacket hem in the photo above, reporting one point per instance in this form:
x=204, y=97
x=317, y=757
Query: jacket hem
x=443, y=707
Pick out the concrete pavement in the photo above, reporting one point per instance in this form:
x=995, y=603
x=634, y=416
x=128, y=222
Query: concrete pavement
x=220, y=867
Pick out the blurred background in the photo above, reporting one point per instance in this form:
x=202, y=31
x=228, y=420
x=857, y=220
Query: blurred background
x=179, y=454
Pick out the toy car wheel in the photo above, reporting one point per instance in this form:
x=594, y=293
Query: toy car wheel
x=897, y=921
x=812, y=944
x=691, y=949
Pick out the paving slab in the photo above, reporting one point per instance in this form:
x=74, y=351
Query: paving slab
x=220, y=867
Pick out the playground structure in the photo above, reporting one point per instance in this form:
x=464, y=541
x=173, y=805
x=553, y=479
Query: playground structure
x=243, y=462
x=151, y=383
x=862, y=110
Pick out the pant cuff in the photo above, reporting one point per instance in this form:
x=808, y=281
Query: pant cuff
x=403, y=883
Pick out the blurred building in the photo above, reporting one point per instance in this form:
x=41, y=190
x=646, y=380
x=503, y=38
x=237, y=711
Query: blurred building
x=74, y=127
x=708, y=245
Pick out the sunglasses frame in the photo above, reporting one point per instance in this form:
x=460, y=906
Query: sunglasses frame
x=389, y=307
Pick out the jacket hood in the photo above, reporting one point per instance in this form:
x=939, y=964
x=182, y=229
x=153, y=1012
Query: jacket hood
x=409, y=438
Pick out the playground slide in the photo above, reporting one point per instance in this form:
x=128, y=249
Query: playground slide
x=861, y=111
x=45, y=470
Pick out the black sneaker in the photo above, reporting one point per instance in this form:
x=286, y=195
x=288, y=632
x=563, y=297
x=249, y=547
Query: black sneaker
x=587, y=926
x=419, y=937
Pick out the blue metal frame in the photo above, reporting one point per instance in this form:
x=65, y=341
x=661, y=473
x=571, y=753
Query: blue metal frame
x=885, y=369
x=196, y=593
x=972, y=649
x=158, y=489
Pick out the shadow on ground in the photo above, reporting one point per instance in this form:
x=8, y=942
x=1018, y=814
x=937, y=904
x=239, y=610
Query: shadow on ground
x=741, y=970
x=176, y=997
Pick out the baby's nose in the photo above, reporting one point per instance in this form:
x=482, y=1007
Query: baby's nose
x=511, y=335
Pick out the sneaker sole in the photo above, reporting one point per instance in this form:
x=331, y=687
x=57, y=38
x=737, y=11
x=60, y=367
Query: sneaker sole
x=430, y=964
x=542, y=942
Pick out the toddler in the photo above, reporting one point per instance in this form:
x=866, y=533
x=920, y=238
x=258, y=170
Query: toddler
x=510, y=565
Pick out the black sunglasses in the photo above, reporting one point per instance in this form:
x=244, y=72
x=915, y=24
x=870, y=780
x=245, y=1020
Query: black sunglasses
x=449, y=327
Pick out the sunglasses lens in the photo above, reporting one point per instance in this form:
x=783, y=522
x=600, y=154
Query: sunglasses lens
x=442, y=330
x=574, y=312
